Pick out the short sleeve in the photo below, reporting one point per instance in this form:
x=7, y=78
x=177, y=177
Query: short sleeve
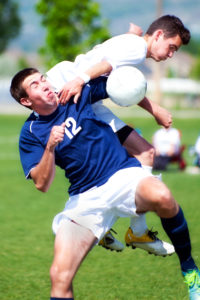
x=31, y=151
x=98, y=89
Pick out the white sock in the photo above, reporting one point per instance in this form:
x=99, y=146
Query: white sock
x=138, y=225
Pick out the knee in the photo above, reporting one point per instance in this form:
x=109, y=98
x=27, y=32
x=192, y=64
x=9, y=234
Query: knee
x=165, y=204
x=60, y=278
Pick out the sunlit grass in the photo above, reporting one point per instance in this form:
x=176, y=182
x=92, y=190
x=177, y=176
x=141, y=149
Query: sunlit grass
x=27, y=241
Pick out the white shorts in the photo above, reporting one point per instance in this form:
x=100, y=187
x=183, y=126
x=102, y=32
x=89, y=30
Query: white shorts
x=105, y=114
x=99, y=208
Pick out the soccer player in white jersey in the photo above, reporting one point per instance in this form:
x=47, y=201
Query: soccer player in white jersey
x=105, y=182
x=163, y=37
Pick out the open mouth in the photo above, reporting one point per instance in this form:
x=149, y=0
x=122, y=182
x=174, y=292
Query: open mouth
x=50, y=94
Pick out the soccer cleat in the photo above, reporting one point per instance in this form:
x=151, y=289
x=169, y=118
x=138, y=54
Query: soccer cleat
x=110, y=242
x=192, y=279
x=149, y=242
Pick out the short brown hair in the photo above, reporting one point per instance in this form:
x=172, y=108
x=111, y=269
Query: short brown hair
x=16, y=89
x=171, y=26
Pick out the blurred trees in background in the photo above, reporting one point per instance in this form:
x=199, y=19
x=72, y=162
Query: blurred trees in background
x=194, y=48
x=72, y=27
x=10, y=22
x=195, y=71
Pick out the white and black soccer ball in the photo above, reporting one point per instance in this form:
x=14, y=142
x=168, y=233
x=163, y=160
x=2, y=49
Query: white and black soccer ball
x=126, y=86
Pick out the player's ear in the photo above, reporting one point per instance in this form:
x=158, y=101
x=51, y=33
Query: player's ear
x=26, y=102
x=158, y=33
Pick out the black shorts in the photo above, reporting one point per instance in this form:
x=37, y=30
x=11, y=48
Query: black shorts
x=123, y=133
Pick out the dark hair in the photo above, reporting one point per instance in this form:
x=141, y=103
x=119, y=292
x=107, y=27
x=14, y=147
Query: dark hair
x=16, y=89
x=171, y=26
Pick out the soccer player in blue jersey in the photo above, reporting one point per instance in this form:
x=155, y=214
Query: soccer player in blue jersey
x=162, y=39
x=105, y=182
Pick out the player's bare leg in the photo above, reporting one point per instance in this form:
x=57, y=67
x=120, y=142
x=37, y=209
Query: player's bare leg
x=138, y=235
x=137, y=146
x=72, y=244
x=153, y=195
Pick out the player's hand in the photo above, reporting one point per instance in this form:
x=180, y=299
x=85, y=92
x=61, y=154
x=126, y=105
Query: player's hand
x=135, y=29
x=70, y=89
x=56, y=136
x=163, y=117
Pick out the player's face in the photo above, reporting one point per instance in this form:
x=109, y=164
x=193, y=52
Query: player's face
x=41, y=97
x=163, y=48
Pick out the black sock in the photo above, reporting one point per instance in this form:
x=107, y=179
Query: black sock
x=177, y=230
x=54, y=298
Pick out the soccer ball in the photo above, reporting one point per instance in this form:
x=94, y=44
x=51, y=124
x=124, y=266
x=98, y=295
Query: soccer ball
x=126, y=86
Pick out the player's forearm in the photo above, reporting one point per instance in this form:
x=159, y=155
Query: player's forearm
x=43, y=174
x=74, y=87
x=162, y=116
x=148, y=105
x=98, y=69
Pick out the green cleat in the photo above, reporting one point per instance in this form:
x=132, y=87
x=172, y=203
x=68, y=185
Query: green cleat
x=192, y=279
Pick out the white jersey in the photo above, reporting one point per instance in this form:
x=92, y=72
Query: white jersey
x=126, y=49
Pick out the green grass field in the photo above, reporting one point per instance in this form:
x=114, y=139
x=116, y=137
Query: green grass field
x=26, y=239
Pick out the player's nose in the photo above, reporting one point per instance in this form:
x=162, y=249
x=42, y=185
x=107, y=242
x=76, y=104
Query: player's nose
x=45, y=86
x=170, y=54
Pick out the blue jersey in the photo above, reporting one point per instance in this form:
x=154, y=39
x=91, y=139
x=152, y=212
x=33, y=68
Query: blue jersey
x=90, y=152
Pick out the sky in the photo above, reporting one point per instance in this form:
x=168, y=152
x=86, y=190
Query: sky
x=118, y=13
x=121, y=12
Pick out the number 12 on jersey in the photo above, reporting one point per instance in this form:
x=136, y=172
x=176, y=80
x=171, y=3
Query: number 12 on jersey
x=71, y=128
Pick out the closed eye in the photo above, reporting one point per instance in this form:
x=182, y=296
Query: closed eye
x=173, y=48
x=34, y=84
x=43, y=78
